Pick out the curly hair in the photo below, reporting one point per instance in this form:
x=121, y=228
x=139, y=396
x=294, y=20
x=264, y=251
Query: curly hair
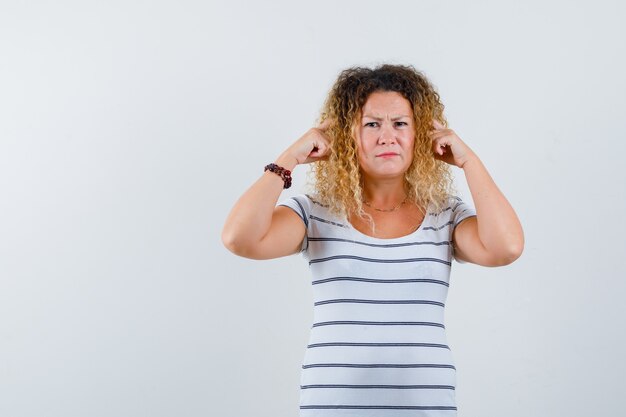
x=338, y=181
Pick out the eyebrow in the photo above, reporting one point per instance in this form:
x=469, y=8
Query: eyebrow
x=381, y=118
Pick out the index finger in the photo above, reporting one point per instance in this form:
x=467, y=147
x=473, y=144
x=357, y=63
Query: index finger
x=437, y=124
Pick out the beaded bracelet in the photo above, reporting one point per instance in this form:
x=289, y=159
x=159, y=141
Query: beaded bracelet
x=285, y=174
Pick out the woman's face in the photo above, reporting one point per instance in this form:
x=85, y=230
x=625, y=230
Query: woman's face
x=386, y=127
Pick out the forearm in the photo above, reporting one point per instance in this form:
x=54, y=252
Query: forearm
x=251, y=216
x=499, y=229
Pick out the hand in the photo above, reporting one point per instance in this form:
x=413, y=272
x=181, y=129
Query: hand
x=313, y=146
x=448, y=147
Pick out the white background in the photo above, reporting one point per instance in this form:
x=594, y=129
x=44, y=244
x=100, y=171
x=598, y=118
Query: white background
x=128, y=130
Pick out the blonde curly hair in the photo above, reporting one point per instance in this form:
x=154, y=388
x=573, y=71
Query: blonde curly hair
x=338, y=181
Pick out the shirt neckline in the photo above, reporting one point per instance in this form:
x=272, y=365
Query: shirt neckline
x=391, y=239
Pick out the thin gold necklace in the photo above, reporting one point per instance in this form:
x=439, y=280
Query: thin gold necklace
x=393, y=209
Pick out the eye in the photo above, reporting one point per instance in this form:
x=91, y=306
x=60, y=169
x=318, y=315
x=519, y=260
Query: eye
x=370, y=123
x=402, y=123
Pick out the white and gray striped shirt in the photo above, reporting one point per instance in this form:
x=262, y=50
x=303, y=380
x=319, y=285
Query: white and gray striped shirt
x=378, y=345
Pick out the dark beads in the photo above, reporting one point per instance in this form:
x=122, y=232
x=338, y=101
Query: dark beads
x=284, y=173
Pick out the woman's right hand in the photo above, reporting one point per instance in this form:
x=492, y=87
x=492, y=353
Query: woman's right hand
x=313, y=146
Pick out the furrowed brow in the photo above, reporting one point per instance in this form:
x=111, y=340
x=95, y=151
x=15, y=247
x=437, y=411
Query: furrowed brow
x=381, y=118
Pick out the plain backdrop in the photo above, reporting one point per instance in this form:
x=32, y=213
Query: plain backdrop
x=128, y=129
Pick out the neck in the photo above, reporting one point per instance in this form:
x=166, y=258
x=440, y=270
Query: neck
x=383, y=192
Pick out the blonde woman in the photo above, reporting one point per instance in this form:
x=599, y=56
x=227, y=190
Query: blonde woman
x=379, y=233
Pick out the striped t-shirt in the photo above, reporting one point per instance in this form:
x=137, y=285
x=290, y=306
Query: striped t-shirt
x=377, y=346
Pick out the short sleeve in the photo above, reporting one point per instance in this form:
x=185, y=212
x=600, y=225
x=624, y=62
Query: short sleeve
x=302, y=206
x=460, y=211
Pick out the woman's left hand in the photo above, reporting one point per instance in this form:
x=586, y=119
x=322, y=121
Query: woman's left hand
x=448, y=147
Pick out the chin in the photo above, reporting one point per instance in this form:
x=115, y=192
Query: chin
x=386, y=174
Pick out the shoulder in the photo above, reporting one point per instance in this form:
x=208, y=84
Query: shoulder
x=459, y=207
x=445, y=206
x=315, y=199
x=453, y=210
x=298, y=203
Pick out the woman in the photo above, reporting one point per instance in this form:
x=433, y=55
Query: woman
x=379, y=235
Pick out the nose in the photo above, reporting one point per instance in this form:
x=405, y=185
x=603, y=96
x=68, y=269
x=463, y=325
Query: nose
x=387, y=134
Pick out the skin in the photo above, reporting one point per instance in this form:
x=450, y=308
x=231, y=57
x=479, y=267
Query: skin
x=255, y=228
x=386, y=125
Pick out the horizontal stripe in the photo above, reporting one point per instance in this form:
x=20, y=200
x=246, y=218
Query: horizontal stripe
x=361, y=354
x=430, y=213
x=378, y=407
x=457, y=199
x=378, y=344
x=381, y=281
x=345, y=226
x=382, y=261
x=378, y=365
x=355, y=300
x=378, y=386
x=315, y=201
x=378, y=323
x=459, y=203
x=378, y=245
x=437, y=227
x=319, y=219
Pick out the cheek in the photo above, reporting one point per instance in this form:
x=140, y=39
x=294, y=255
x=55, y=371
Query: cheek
x=368, y=140
x=361, y=141
x=365, y=149
x=362, y=154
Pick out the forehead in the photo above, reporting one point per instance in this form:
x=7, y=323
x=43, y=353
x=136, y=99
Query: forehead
x=381, y=103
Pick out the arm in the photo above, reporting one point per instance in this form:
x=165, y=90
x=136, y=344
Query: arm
x=255, y=218
x=494, y=237
x=255, y=227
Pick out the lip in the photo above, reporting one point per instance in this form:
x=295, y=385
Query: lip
x=387, y=154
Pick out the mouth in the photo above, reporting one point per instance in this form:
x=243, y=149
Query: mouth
x=387, y=154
